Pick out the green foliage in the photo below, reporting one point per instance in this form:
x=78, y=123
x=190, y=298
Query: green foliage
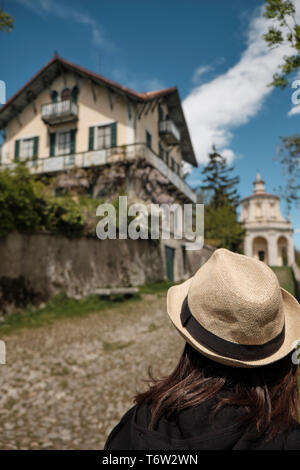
x=287, y=32
x=25, y=206
x=6, y=21
x=218, y=181
x=64, y=217
x=220, y=198
x=222, y=226
x=156, y=287
x=289, y=157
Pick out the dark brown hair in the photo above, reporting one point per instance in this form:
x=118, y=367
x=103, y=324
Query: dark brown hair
x=268, y=394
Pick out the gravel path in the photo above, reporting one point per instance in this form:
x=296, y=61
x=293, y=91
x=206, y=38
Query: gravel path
x=66, y=385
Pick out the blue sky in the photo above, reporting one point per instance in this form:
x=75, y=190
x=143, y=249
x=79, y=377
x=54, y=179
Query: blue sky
x=211, y=49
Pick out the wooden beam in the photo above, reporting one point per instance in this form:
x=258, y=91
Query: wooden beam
x=93, y=90
x=16, y=114
x=148, y=108
x=155, y=103
x=46, y=83
x=142, y=110
x=112, y=98
x=129, y=108
x=30, y=97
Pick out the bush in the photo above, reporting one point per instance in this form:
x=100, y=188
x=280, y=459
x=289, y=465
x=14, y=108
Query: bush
x=26, y=206
x=221, y=225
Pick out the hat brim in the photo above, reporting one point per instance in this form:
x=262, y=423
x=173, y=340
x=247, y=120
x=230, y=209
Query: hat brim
x=176, y=296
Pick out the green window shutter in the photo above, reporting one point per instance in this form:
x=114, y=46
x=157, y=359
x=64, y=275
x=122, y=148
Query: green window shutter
x=54, y=95
x=52, y=144
x=17, y=150
x=35, y=148
x=113, y=127
x=72, y=141
x=91, y=138
x=74, y=94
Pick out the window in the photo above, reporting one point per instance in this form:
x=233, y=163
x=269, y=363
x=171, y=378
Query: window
x=148, y=139
x=66, y=94
x=27, y=147
x=63, y=143
x=103, y=137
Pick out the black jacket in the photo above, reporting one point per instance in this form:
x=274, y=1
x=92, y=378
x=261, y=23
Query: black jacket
x=194, y=429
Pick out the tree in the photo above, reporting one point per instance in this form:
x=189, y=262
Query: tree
x=221, y=227
x=284, y=30
x=289, y=156
x=218, y=181
x=6, y=21
x=220, y=196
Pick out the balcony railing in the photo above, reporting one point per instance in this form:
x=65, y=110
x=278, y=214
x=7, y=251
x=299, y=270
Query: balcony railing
x=102, y=157
x=62, y=111
x=169, y=131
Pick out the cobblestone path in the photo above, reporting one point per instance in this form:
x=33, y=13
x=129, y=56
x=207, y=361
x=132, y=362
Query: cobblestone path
x=67, y=384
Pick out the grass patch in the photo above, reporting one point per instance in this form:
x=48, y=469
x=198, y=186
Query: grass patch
x=109, y=347
x=62, y=306
x=285, y=277
x=156, y=287
x=59, y=307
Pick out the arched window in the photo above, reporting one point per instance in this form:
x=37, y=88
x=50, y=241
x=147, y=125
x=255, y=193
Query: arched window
x=260, y=249
x=66, y=94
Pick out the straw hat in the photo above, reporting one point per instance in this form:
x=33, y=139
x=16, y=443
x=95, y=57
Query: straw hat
x=234, y=311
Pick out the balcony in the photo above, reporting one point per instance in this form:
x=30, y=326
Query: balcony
x=108, y=156
x=169, y=131
x=62, y=111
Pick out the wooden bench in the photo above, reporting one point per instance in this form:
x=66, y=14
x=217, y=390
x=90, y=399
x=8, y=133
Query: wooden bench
x=111, y=291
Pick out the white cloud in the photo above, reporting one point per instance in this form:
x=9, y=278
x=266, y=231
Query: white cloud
x=200, y=71
x=216, y=108
x=69, y=13
x=204, y=69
